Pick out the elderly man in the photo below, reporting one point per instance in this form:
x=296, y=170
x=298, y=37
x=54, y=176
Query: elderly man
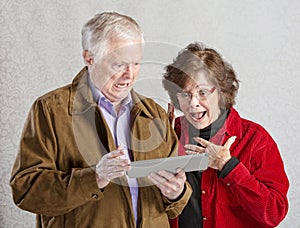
x=78, y=142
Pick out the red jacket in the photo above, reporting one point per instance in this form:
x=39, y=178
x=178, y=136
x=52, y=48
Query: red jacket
x=254, y=193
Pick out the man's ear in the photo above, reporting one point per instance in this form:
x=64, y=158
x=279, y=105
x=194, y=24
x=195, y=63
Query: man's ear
x=88, y=58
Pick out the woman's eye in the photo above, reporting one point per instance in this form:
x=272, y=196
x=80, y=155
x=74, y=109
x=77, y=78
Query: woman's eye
x=203, y=92
x=186, y=94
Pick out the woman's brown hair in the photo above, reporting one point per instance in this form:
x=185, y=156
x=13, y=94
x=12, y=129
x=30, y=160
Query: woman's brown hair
x=197, y=58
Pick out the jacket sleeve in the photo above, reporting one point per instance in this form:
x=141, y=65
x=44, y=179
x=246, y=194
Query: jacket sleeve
x=37, y=184
x=174, y=208
x=261, y=186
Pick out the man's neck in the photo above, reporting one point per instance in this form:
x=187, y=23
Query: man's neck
x=117, y=106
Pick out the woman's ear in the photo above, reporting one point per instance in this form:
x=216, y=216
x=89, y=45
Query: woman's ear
x=171, y=114
x=88, y=58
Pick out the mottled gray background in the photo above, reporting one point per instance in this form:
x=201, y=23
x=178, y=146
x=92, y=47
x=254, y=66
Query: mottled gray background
x=40, y=50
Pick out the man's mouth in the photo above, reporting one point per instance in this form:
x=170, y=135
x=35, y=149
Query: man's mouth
x=121, y=85
x=198, y=115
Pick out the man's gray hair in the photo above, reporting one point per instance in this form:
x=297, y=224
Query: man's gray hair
x=98, y=30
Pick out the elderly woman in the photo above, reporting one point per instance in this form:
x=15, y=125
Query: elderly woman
x=245, y=184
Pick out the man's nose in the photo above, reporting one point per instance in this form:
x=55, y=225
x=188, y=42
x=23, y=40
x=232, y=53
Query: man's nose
x=129, y=71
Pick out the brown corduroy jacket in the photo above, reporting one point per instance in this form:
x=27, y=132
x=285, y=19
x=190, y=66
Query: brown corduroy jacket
x=63, y=139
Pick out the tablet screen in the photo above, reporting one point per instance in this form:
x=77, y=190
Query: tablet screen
x=187, y=162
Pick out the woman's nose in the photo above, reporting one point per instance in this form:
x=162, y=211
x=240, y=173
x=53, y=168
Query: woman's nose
x=195, y=101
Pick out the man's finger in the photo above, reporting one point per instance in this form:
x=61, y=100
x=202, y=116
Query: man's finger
x=116, y=153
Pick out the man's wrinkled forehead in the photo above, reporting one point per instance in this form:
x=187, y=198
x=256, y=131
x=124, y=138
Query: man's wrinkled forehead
x=125, y=52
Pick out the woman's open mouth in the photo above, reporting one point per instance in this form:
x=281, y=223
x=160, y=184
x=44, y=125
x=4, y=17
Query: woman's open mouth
x=197, y=115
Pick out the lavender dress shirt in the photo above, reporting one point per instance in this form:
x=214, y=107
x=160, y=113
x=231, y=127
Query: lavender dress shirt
x=120, y=130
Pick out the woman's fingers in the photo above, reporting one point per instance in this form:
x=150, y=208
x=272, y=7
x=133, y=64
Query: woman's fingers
x=229, y=142
x=202, y=141
x=194, y=148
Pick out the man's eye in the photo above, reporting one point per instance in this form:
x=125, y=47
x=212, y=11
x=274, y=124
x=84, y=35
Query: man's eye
x=136, y=64
x=121, y=65
x=118, y=66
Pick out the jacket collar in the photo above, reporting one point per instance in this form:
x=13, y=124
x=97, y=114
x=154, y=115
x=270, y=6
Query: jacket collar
x=233, y=125
x=140, y=104
x=81, y=98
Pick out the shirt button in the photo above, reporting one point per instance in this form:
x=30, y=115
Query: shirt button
x=203, y=192
x=204, y=218
x=94, y=196
x=228, y=184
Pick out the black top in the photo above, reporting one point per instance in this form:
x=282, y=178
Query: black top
x=191, y=216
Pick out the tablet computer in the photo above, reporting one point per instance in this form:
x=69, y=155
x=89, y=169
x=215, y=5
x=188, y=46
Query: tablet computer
x=189, y=163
